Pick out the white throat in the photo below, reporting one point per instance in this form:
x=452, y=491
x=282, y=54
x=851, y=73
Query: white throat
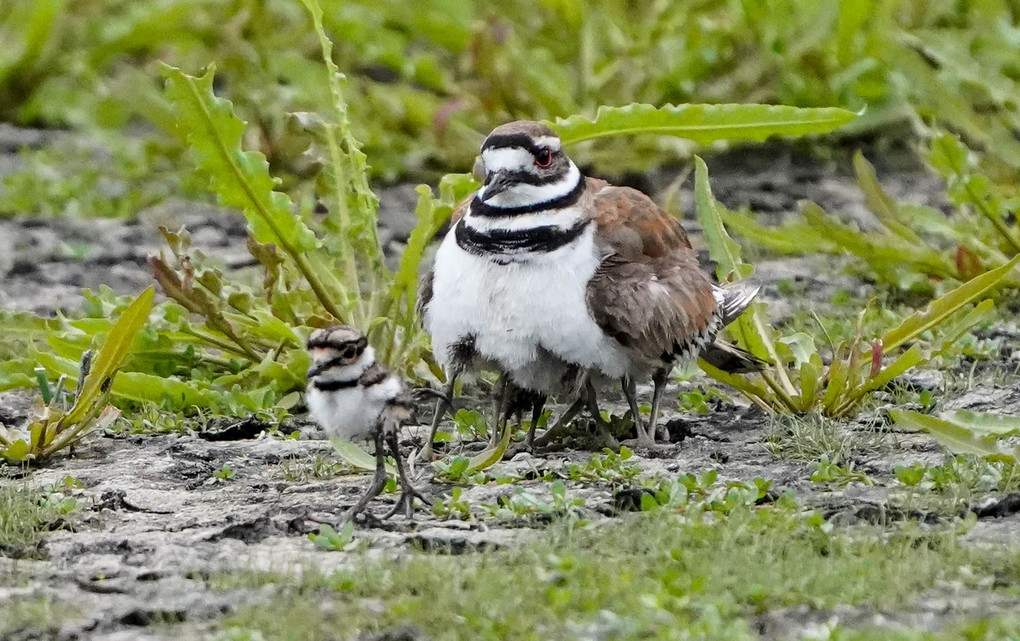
x=523, y=194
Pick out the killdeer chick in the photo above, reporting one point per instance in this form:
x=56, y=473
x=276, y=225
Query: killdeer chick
x=353, y=397
x=551, y=275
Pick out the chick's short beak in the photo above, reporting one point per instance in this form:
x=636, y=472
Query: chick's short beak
x=320, y=367
x=496, y=184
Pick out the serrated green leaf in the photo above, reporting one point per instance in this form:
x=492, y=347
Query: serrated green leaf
x=751, y=329
x=241, y=179
x=702, y=123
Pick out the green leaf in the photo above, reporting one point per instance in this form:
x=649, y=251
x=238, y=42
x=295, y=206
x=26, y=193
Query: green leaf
x=353, y=454
x=724, y=250
x=702, y=123
x=111, y=355
x=955, y=438
x=939, y=310
x=905, y=361
x=794, y=239
x=17, y=451
x=984, y=424
x=490, y=456
x=241, y=179
x=751, y=328
x=22, y=49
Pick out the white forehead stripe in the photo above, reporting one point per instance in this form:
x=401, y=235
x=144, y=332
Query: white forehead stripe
x=548, y=141
x=512, y=158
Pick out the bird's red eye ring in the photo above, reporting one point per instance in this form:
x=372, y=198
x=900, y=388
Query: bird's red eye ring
x=544, y=158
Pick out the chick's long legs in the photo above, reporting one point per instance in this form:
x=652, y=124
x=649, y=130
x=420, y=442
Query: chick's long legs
x=407, y=492
x=378, y=481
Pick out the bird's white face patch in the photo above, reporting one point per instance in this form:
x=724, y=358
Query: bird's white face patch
x=523, y=194
x=507, y=158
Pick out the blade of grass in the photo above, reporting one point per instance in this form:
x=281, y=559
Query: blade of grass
x=750, y=328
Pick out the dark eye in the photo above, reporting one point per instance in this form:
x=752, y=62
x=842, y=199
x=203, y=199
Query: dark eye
x=348, y=352
x=544, y=158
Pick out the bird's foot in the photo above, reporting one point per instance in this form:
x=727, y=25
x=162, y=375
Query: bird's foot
x=361, y=517
x=646, y=444
x=405, y=503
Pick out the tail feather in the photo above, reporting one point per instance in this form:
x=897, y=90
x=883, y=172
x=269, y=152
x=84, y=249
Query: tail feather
x=732, y=359
x=734, y=298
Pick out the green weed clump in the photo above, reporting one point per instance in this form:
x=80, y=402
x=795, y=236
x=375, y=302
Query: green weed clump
x=56, y=427
x=914, y=248
x=800, y=380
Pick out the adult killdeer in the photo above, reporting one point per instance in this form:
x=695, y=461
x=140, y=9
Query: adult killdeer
x=547, y=274
x=353, y=397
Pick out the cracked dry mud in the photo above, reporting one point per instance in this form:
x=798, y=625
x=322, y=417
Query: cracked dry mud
x=155, y=523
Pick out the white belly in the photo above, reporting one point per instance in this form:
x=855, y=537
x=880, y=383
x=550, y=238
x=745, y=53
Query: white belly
x=513, y=310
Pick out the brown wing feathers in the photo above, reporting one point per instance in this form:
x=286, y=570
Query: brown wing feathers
x=649, y=293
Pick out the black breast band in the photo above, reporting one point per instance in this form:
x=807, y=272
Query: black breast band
x=503, y=243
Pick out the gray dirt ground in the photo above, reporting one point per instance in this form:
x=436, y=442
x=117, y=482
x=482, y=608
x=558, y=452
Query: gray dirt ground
x=155, y=521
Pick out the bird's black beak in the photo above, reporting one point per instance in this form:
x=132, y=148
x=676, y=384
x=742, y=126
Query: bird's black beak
x=497, y=183
x=315, y=370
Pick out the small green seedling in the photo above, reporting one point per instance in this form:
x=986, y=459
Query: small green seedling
x=825, y=471
x=224, y=473
x=453, y=506
x=329, y=539
x=471, y=424
x=910, y=475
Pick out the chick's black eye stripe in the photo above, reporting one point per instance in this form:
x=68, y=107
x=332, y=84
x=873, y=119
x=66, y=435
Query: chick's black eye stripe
x=506, y=241
x=479, y=208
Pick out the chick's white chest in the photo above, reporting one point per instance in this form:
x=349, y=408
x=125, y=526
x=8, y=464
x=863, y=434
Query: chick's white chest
x=351, y=413
x=516, y=311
